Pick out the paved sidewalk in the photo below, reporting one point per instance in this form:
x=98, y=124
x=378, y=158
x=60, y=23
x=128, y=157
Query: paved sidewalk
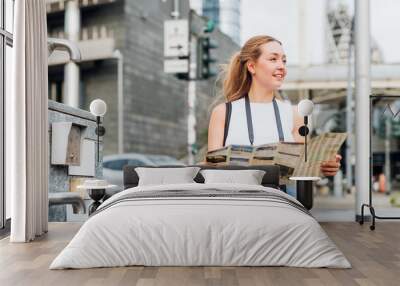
x=329, y=208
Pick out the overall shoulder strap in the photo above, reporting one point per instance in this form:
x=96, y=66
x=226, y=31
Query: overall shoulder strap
x=249, y=119
x=228, y=111
x=278, y=120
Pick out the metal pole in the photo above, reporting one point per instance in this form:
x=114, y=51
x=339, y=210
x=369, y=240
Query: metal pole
x=305, y=138
x=349, y=114
x=98, y=138
x=362, y=107
x=302, y=35
x=388, y=125
x=337, y=184
x=175, y=13
x=120, y=58
x=71, y=69
x=192, y=99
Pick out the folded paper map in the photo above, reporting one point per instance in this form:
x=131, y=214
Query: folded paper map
x=289, y=156
x=230, y=155
x=321, y=148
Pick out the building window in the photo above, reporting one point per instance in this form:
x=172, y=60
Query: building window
x=6, y=44
x=211, y=10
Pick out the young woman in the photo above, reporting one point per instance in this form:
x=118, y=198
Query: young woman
x=255, y=112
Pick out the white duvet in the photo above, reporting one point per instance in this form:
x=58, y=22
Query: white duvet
x=200, y=231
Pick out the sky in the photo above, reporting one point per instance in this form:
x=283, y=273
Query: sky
x=281, y=19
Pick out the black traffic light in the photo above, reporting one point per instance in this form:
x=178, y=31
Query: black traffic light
x=205, y=60
x=209, y=27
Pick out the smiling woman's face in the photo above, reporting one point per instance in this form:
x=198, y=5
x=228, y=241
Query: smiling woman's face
x=270, y=68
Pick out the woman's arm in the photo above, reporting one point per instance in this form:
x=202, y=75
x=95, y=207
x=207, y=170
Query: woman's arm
x=330, y=168
x=216, y=127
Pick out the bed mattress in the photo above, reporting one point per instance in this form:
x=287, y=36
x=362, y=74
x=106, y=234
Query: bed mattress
x=201, y=225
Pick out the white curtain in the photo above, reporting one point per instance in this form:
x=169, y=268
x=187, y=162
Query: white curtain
x=27, y=123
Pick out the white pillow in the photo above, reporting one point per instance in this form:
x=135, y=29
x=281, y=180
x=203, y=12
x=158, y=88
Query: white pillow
x=162, y=176
x=248, y=177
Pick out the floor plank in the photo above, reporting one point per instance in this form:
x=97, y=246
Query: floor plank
x=374, y=255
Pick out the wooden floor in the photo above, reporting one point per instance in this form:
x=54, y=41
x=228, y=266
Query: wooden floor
x=374, y=255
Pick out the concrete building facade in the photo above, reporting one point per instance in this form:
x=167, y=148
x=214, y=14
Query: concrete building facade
x=154, y=113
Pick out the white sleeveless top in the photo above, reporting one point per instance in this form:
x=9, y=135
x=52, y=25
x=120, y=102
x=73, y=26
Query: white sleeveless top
x=264, y=123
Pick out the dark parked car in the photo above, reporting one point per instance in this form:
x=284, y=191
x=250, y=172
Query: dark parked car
x=114, y=164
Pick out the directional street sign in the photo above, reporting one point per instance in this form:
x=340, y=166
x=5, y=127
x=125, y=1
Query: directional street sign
x=176, y=66
x=176, y=38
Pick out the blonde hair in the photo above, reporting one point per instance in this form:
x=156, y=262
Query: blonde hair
x=238, y=79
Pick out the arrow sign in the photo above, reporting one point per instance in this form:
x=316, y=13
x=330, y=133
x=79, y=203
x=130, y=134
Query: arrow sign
x=176, y=38
x=177, y=47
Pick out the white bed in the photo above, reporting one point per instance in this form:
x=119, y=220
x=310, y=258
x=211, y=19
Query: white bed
x=264, y=228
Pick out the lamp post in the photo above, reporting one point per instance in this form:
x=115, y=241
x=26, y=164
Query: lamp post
x=305, y=108
x=304, y=184
x=98, y=108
